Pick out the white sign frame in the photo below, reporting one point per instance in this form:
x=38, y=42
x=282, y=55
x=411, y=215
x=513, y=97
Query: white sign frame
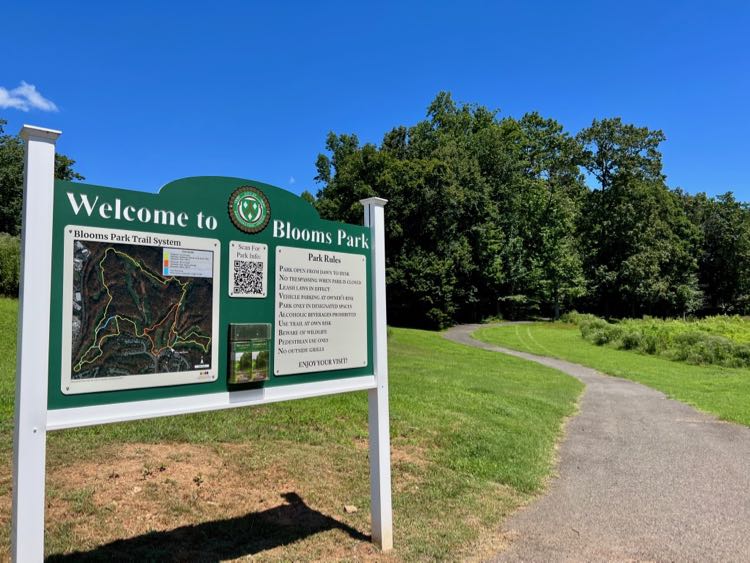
x=33, y=420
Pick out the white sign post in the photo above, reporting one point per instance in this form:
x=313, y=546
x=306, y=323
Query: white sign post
x=378, y=417
x=30, y=430
x=33, y=420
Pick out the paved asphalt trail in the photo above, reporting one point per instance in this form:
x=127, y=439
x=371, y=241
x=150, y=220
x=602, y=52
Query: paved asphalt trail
x=640, y=478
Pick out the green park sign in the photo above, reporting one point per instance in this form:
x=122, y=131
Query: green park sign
x=155, y=285
x=213, y=293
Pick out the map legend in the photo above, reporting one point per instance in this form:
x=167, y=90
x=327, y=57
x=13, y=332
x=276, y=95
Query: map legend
x=187, y=262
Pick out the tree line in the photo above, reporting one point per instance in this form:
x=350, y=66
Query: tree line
x=491, y=216
x=11, y=204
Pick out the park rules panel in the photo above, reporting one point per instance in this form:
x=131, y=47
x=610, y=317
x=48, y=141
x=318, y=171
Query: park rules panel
x=321, y=307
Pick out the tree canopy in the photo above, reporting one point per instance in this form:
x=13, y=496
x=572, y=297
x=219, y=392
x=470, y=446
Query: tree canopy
x=492, y=215
x=11, y=179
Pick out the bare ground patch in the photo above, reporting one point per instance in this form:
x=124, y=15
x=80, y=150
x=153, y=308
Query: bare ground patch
x=184, y=502
x=230, y=501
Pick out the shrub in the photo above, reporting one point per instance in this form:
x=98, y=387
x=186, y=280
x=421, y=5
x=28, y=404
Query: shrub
x=723, y=341
x=577, y=318
x=10, y=264
x=648, y=344
x=631, y=340
x=591, y=327
x=742, y=352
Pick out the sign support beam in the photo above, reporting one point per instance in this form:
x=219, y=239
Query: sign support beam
x=30, y=429
x=378, y=410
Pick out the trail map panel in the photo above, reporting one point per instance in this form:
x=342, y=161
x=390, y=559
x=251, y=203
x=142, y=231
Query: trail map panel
x=140, y=310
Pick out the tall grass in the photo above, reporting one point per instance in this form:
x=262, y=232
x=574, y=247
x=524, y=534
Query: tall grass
x=10, y=264
x=721, y=340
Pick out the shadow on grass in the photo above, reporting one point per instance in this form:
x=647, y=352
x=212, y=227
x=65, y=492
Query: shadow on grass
x=221, y=539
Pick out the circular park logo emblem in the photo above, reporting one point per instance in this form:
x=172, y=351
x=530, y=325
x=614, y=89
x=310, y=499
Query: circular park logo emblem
x=249, y=209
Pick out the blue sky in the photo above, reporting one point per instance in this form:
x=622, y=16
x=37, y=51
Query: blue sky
x=148, y=92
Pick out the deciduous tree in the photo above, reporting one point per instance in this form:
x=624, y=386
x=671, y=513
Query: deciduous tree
x=11, y=179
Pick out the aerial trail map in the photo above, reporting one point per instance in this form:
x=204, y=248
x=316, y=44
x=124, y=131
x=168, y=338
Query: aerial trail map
x=140, y=310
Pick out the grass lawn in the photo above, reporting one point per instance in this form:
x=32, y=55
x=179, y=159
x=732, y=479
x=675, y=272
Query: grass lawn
x=473, y=437
x=724, y=392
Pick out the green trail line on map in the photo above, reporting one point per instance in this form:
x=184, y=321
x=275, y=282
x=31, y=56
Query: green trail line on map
x=174, y=338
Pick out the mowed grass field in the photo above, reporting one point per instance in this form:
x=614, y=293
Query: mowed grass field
x=473, y=437
x=722, y=391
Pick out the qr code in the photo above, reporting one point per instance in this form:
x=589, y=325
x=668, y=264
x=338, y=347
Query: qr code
x=248, y=277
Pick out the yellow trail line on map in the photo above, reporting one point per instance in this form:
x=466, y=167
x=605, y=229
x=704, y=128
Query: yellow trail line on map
x=163, y=281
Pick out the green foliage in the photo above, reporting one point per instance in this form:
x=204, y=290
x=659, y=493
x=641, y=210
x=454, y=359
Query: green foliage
x=723, y=251
x=722, y=391
x=613, y=149
x=8, y=333
x=11, y=182
x=246, y=361
x=574, y=317
x=10, y=264
x=598, y=331
x=11, y=179
x=481, y=214
x=261, y=362
x=490, y=216
x=308, y=197
x=639, y=246
x=722, y=341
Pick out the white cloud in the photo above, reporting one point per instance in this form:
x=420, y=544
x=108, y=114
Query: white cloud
x=292, y=180
x=24, y=98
